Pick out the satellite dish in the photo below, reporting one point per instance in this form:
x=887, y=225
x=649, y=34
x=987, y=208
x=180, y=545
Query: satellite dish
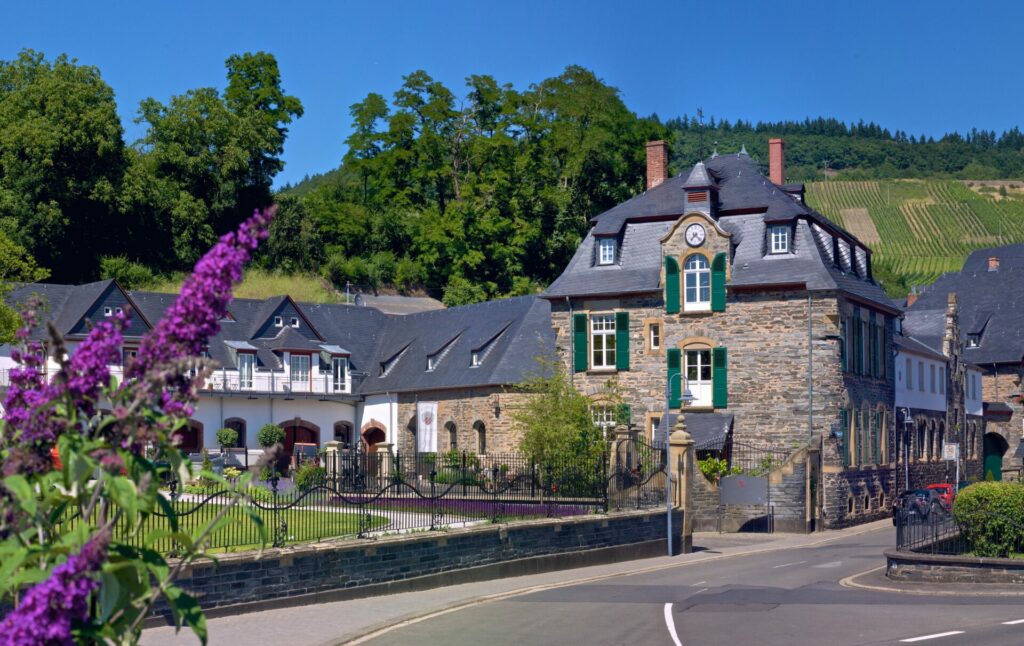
x=358, y=300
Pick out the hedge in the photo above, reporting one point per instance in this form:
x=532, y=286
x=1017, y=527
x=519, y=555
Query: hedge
x=991, y=518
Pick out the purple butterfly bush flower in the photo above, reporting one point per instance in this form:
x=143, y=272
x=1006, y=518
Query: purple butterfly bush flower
x=195, y=316
x=47, y=611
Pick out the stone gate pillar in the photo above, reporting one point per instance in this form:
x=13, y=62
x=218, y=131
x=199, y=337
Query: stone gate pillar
x=681, y=465
x=332, y=460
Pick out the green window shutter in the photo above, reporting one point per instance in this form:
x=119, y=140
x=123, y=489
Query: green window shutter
x=720, y=378
x=718, y=282
x=671, y=285
x=674, y=360
x=623, y=414
x=579, y=334
x=622, y=340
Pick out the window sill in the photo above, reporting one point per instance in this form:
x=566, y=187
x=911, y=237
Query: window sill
x=602, y=371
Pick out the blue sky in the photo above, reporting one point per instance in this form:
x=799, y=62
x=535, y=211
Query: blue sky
x=923, y=67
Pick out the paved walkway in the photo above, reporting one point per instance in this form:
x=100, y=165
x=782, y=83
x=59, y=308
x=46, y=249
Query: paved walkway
x=338, y=622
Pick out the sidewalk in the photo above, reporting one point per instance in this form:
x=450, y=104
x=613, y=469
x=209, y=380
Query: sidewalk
x=338, y=622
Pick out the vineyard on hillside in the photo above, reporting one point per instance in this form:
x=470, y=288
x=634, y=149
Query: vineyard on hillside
x=919, y=229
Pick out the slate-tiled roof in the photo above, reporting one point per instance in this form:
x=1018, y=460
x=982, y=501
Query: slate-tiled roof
x=708, y=430
x=507, y=334
x=910, y=344
x=1010, y=257
x=747, y=202
x=991, y=304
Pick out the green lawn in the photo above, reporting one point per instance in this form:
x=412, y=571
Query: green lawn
x=241, y=533
x=261, y=284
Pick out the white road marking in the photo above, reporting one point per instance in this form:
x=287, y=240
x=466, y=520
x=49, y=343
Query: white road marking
x=830, y=564
x=935, y=636
x=788, y=564
x=671, y=625
x=701, y=590
x=1013, y=623
x=694, y=585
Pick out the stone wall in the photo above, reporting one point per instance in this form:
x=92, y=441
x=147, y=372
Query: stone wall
x=938, y=568
x=469, y=409
x=348, y=569
x=1001, y=385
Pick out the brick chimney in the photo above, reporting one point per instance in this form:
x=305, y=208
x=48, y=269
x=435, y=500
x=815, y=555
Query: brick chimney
x=912, y=297
x=777, y=161
x=993, y=263
x=657, y=163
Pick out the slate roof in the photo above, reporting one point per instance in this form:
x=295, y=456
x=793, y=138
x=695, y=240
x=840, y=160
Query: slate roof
x=507, y=334
x=991, y=304
x=911, y=344
x=1010, y=257
x=708, y=430
x=747, y=202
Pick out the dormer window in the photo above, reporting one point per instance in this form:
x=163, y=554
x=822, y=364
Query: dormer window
x=278, y=321
x=294, y=322
x=475, y=360
x=108, y=311
x=119, y=310
x=432, y=362
x=779, y=238
x=973, y=340
x=606, y=251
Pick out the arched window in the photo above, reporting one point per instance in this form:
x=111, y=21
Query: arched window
x=238, y=425
x=864, y=455
x=941, y=439
x=343, y=434
x=919, y=449
x=697, y=282
x=481, y=437
x=453, y=436
x=931, y=440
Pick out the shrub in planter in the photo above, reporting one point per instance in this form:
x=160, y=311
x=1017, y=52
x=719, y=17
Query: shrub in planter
x=269, y=435
x=227, y=438
x=991, y=517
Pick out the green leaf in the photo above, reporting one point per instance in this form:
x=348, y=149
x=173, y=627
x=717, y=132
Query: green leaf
x=22, y=490
x=187, y=612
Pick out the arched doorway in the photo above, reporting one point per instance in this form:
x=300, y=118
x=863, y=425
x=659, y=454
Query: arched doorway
x=298, y=431
x=190, y=436
x=372, y=436
x=995, y=449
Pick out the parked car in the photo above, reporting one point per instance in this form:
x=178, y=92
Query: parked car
x=918, y=506
x=947, y=494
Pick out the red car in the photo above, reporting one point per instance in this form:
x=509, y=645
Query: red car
x=946, y=494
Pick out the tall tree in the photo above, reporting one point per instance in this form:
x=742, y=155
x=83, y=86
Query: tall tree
x=61, y=161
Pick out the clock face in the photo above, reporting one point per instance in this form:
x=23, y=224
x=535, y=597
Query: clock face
x=695, y=235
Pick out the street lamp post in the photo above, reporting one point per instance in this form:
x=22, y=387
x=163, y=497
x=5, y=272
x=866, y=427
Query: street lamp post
x=686, y=398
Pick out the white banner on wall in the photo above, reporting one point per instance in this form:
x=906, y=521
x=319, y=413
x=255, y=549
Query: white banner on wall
x=426, y=427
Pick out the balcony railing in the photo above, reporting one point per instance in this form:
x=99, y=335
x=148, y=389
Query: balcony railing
x=270, y=382
x=229, y=381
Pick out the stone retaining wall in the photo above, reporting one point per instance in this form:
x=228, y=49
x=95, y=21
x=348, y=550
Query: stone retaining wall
x=939, y=568
x=336, y=570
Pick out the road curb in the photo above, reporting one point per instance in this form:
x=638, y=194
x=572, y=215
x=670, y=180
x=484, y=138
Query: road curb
x=852, y=582
x=383, y=628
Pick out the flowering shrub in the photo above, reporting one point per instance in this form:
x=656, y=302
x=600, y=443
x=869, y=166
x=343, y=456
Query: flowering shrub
x=72, y=561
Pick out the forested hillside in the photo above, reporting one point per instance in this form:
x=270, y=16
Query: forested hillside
x=466, y=193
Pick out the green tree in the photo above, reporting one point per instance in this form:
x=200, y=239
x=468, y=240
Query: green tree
x=556, y=421
x=62, y=156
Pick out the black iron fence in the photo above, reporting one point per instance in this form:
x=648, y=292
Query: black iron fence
x=982, y=533
x=360, y=494
x=936, y=533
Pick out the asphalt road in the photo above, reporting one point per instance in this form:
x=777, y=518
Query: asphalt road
x=787, y=597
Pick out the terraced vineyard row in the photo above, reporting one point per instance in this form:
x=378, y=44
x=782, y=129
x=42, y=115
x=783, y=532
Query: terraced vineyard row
x=926, y=227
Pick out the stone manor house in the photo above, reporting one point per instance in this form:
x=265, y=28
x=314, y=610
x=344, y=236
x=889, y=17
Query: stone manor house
x=718, y=282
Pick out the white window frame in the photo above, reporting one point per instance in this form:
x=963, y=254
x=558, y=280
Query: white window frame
x=654, y=336
x=294, y=322
x=696, y=296
x=606, y=251
x=432, y=362
x=603, y=416
x=973, y=340
x=339, y=373
x=108, y=311
x=298, y=371
x=779, y=239
x=475, y=359
x=246, y=370
x=697, y=367
x=278, y=321
x=602, y=341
